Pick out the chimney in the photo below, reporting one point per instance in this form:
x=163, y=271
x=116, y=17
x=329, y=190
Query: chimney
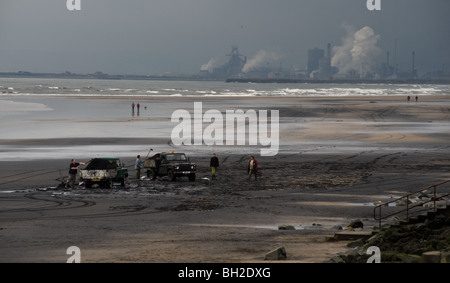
x=329, y=51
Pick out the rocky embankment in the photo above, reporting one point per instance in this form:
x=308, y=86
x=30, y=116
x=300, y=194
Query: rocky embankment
x=424, y=240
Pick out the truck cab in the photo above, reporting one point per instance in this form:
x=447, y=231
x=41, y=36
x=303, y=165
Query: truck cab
x=172, y=165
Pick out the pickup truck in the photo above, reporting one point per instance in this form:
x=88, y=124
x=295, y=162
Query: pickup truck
x=171, y=165
x=103, y=171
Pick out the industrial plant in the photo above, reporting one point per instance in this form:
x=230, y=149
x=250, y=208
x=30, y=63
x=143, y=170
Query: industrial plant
x=319, y=66
x=358, y=57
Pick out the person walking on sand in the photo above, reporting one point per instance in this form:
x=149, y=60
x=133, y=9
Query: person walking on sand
x=132, y=107
x=73, y=170
x=252, y=167
x=214, y=164
x=138, y=167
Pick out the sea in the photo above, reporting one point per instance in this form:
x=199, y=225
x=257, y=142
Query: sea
x=152, y=88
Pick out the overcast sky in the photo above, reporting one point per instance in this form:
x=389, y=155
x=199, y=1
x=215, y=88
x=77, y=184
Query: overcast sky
x=156, y=36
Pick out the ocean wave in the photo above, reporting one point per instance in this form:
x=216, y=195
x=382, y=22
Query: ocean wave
x=101, y=88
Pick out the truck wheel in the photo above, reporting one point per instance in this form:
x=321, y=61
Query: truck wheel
x=88, y=184
x=192, y=177
x=107, y=184
x=171, y=175
x=151, y=174
x=122, y=182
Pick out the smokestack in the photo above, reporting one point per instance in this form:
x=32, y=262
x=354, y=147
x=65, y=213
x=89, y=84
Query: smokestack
x=329, y=51
x=413, y=72
x=395, y=56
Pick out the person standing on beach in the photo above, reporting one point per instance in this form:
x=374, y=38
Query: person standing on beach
x=252, y=167
x=132, y=107
x=138, y=167
x=214, y=164
x=73, y=170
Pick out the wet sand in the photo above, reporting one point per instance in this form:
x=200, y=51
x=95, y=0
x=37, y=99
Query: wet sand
x=337, y=157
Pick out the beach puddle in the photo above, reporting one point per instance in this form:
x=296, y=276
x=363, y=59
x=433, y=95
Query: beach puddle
x=14, y=191
x=369, y=204
x=283, y=227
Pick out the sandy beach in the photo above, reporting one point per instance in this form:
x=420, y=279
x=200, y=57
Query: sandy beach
x=337, y=157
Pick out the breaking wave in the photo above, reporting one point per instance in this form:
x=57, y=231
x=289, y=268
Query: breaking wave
x=126, y=88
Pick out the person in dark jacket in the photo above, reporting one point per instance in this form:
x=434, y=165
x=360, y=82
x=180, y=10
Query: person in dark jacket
x=252, y=167
x=214, y=164
x=73, y=170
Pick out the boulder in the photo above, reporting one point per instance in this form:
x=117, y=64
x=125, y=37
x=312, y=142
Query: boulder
x=445, y=256
x=286, y=227
x=356, y=224
x=431, y=257
x=276, y=254
x=338, y=258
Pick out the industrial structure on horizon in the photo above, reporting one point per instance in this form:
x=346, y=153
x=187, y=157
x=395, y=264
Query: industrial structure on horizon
x=232, y=68
x=319, y=66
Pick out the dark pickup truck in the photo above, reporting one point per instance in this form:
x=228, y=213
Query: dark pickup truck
x=103, y=171
x=171, y=165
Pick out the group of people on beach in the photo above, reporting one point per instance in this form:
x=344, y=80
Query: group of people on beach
x=138, y=108
x=252, y=169
x=409, y=98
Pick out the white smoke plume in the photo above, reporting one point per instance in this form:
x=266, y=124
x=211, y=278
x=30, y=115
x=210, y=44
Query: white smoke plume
x=209, y=66
x=359, y=51
x=260, y=59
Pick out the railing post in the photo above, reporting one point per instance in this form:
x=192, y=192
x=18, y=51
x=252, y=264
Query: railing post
x=379, y=218
x=407, y=202
x=434, y=198
x=407, y=206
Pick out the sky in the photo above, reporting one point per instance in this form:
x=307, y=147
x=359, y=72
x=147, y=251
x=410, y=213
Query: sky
x=179, y=36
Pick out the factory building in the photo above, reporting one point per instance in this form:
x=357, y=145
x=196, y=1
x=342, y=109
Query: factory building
x=319, y=63
x=232, y=68
x=314, y=56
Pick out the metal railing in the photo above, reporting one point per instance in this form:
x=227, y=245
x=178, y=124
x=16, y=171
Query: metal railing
x=412, y=207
